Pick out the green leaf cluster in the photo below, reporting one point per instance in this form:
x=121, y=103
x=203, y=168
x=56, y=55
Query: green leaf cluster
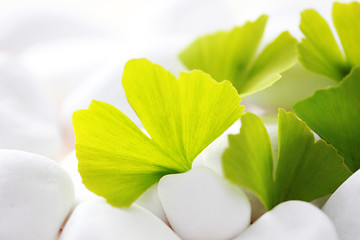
x=334, y=113
x=319, y=51
x=305, y=169
x=182, y=116
x=232, y=56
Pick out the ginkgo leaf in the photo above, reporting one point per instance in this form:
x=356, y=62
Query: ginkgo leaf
x=320, y=53
x=232, y=56
x=248, y=161
x=305, y=169
x=182, y=116
x=334, y=114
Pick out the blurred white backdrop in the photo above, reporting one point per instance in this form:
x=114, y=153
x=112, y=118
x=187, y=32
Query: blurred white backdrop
x=115, y=15
x=73, y=51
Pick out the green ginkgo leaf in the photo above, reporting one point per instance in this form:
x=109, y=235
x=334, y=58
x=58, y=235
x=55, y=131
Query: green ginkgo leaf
x=334, y=114
x=320, y=53
x=248, y=161
x=305, y=169
x=232, y=56
x=182, y=116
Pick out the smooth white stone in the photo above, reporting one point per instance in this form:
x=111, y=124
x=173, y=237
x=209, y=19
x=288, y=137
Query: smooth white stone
x=36, y=195
x=199, y=160
x=295, y=220
x=343, y=208
x=97, y=220
x=27, y=117
x=200, y=204
x=151, y=202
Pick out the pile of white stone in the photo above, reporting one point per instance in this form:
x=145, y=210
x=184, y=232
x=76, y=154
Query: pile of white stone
x=37, y=202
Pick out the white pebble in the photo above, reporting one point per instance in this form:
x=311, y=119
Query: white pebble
x=97, y=220
x=295, y=220
x=151, y=202
x=343, y=208
x=36, y=195
x=200, y=204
